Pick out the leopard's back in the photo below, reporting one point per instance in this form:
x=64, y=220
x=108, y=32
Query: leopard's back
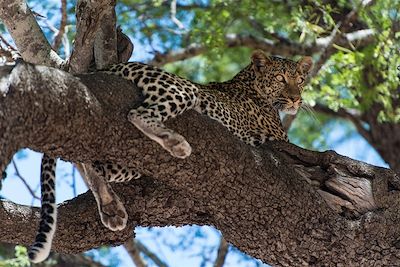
x=247, y=105
x=166, y=91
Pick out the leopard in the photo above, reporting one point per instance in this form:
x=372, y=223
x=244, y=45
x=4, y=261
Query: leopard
x=248, y=105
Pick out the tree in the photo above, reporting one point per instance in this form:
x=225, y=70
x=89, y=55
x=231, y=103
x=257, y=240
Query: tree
x=279, y=203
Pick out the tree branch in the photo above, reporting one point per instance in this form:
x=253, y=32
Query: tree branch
x=252, y=195
x=88, y=17
x=27, y=34
x=344, y=114
x=142, y=248
x=280, y=47
x=105, y=45
x=384, y=136
x=336, y=35
x=134, y=253
x=222, y=252
x=7, y=51
x=173, y=15
x=18, y=174
x=63, y=24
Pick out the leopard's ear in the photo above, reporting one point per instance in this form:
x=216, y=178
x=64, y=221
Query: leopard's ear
x=260, y=60
x=304, y=65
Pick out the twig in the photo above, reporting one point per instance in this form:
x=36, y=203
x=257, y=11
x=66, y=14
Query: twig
x=24, y=181
x=7, y=53
x=188, y=6
x=345, y=114
x=73, y=185
x=259, y=27
x=335, y=36
x=9, y=46
x=222, y=252
x=134, y=253
x=142, y=248
x=63, y=24
x=173, y=15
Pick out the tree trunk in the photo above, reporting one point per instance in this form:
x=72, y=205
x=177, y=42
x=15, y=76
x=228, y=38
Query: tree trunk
x=385, y=136
x=279, y=203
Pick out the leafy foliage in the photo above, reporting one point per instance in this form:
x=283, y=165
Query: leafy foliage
x=21, y=258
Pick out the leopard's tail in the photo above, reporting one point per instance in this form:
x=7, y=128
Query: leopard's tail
x=40, y=250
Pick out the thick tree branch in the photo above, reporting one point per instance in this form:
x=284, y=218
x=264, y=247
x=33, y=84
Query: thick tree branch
x=27, y=34
x=105, y=45
x=385, y=136
x=332, y=205
x=380, y=135
x=88, y=16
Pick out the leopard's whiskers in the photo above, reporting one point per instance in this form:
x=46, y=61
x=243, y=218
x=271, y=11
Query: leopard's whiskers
x=310, y=111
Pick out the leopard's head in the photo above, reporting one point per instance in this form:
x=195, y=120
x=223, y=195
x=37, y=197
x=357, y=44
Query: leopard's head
x=280, y=81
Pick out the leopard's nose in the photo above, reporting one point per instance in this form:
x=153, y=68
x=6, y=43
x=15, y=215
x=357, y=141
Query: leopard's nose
x=295, y=99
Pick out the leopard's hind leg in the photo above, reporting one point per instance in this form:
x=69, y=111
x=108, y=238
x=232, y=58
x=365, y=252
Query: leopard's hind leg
x=112, y=211
x=98, y=176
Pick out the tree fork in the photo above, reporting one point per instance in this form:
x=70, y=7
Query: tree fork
x=279, y=203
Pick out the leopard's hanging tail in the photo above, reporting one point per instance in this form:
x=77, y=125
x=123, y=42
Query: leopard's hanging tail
x=40, y=250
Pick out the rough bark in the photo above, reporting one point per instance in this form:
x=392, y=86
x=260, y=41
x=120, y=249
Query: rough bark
x=105, y=44
x=384, y=136
x=89, y=15
x=27, y=35
x=124, y=46
x=279, y=203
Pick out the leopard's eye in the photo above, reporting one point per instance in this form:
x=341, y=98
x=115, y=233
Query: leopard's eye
x=279, y=78
x=299, y=80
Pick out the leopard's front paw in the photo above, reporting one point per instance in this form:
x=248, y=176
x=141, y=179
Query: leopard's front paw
x=176, y=144
x=113, y=215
